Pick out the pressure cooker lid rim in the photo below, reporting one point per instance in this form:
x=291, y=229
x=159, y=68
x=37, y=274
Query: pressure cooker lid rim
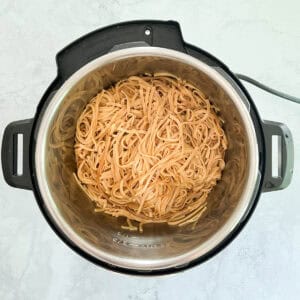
x=158, y=264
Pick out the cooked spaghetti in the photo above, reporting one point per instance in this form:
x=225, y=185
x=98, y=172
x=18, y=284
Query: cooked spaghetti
x=150, y=149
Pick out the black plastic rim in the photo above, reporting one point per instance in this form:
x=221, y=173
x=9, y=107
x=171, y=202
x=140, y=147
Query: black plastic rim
x=197, y=53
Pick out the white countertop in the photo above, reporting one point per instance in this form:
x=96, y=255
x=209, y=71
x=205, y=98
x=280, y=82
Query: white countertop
x=258, y=38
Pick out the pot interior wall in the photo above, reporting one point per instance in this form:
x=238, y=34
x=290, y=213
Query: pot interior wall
x=103, y=231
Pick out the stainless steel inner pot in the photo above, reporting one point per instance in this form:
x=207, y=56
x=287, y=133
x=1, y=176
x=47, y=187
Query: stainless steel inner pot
x=159, y=247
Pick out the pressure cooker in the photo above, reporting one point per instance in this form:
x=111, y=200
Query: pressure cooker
x=98, y=60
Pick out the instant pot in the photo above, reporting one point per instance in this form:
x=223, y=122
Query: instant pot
x=98, y=60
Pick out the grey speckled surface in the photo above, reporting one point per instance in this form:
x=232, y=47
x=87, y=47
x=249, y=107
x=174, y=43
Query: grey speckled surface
x=259, y=38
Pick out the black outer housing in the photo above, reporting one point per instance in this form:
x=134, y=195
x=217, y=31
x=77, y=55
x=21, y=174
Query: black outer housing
x=165, y=35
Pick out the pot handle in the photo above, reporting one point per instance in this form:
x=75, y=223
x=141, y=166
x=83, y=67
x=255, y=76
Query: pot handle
x=285, y=156
x=15, y=175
